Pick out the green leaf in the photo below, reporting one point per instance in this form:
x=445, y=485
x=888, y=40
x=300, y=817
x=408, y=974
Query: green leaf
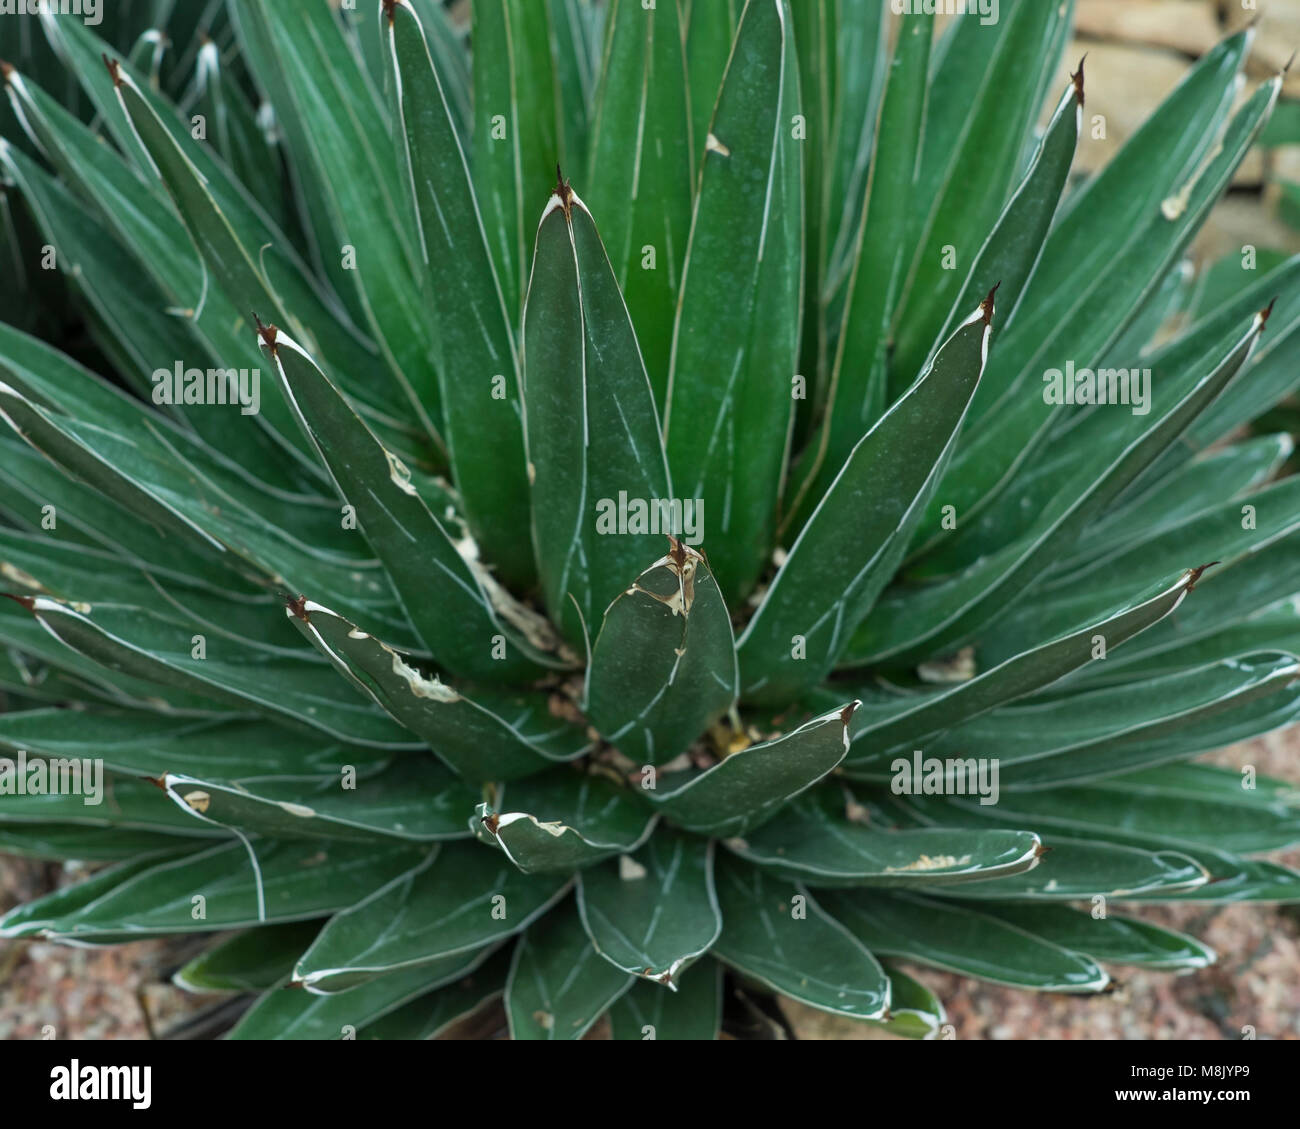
x=775, y=932
x=857, y=535
x=460, y=897
x=642, y=191
x=430, y=1015
x=966, y=179
x=516, y=128
x=813, y=840
x=654, y=913
x=355, y=189
x=252, y=961
x=858, y=391
x=664, y=665
x=475, y=351
x=289, y=882
x=1113, y=939
x=34, y=789
x=563, y=821
x=959, y=939
x=751, y=785
x=907, y=719
x=1076, y=868
x=440, y=591
x=917, y=622
x=249, y=752
x=1016, y=421
x=288, y=1012
x=694, y=1011
x=558, y=984
x=735, y=343
x=591, y=424
x=85, y=842
x=146, y=645
x=416, y=799
x=481, y=734
x=710, y=32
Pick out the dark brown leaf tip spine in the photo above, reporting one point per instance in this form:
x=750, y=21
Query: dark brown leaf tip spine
x=114, y=69
x=390, y=10
x=1077, y=77
x=564, y=190
x=29, y=602
x=492, y=821
x=1196, y=575
x=675, y=552
x=846, y=714
x=986, y=306
x=6, y=69
x=298, y=607
x=268, y=334
x=1265, y=313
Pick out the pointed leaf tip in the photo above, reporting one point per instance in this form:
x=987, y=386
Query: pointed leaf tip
x=563, y=189
x=1196, y=575
x=987, y=306
x=29, y=602
x=6, y=69
x=298, y=607
x=390, y=10
x=1264, y=313
x=114, y=69
x=268, y=333
x=1078, y=80
x=846, y=714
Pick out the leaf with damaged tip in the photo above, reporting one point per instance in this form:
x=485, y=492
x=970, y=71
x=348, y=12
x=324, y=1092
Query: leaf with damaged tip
x=415, y=799
x=457, y=898
x=812, y=840
x=735, y=342
x=959, y=938
x=694, y=1011
x=664, y=665
x=851, y=546
x=438, y=587
x=563, y=821
x=774, y=931
x=915, y=1012
x=653, y=913
x=473, y=340
x=1113, y=939
x=750, y=786
x=255, y=960
x=642, y=191
x=290, y=882
x=481, y=734
x=287, y=1012
x=558, y=984
x=592, y=428
x=907, y=719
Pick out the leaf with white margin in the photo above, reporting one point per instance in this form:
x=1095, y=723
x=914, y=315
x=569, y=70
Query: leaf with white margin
x=492, y=736
x=750, y=786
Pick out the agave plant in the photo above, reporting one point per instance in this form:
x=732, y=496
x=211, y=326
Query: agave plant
x=723, y=570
